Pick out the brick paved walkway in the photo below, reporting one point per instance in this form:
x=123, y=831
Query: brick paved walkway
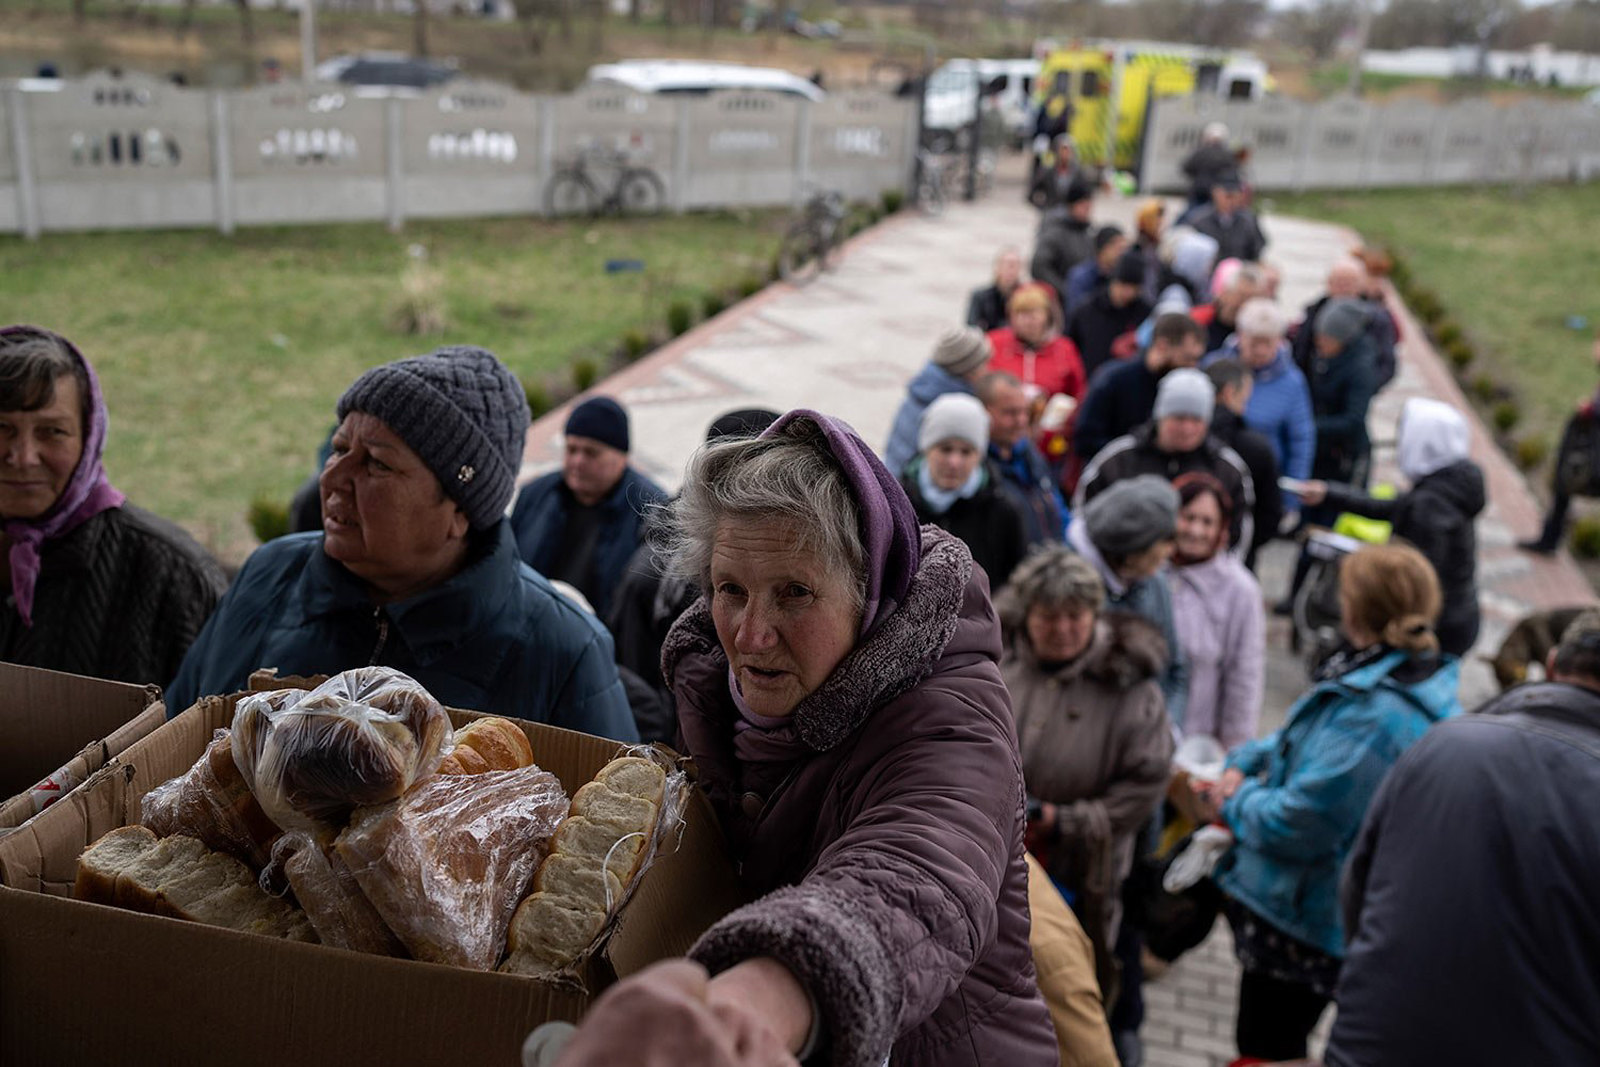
x=848, y=343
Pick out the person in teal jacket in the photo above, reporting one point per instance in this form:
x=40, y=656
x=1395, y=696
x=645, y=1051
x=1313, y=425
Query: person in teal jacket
x=1294, y=800
x=416, y=567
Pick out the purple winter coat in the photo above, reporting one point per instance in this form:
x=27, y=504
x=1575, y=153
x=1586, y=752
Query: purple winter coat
x=1217, y=609
x=887, y=853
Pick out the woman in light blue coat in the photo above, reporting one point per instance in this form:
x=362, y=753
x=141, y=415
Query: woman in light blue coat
x=1294, y=800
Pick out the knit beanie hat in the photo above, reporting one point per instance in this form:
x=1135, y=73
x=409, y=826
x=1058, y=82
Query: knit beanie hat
x=1132, y=514
x=1342, y=320
x=462, y=412
x=1105, y=235
x=958, y=415
x=1078, y=191
x=600, y=419
x=742, y=422
x=962, y=351
x=1129, y=268
x=1185, y=391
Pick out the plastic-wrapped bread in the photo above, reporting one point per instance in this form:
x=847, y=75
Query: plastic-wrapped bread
x=491, y=744
x=180, y=877
x=213, y=803
x=446, y=863
x=359, y=739
x=594, y=857
x=328, y=892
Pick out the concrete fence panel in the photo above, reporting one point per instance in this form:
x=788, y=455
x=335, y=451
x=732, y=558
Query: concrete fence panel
x=600, y=120
x=471, y=149
x=10, y=192
x=1399, y=143
x=130, y=152
x=1336, y=149
x=1463, y=143
x=1276, y=132
x=744, y=148
x=308, y=154
x=861, y=143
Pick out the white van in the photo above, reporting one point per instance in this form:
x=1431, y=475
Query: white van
x=951, y=97
x=699, y=78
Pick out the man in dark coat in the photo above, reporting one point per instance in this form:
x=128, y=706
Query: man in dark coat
x=1123, y=394
x=1343, y=380
x=1234, y=226
x=1208, y=163
x=1177, y=440
x=416, y=567
x=1014, y=456
x=1105, y=323
x=986, y=308
x=1348, y=280
x=1234, y=383
x=1469, y=894
x=1063, y=240
x=89, y=584
x=581, y=524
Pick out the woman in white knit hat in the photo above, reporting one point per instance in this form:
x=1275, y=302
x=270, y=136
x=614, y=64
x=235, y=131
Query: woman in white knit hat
x=952, y=485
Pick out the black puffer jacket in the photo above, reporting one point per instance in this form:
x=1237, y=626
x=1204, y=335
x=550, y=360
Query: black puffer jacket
x=1437, y=516
x=990, y=522
x=121, y=597
x=1341, y=392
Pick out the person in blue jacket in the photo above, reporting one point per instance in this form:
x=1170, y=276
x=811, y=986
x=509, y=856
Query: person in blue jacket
x=959, y=359
x=1279, y=408
x=416, y=567
x=1295, y=800
x=582, y=524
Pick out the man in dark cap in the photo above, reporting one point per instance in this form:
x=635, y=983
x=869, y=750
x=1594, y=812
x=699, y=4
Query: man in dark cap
x=1344, y=377
x=1234, y=226
x=1103, y=326
x=1470, y=889
x=1094, y=273
x=415, y=567
x=1063, y=240
x=960, y=357
x=581, y=524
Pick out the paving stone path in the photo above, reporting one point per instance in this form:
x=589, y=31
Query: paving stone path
x=847, y=344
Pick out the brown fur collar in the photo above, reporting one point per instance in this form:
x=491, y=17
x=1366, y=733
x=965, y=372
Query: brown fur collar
x=1127, y=649
x=892, y=659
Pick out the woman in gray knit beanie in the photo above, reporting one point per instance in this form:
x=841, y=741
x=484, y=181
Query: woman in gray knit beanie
x=415, y=566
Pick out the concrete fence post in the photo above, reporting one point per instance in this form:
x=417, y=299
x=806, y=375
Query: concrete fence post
x=22, y=156
x=222, y=162
x=394, y=123
x=682, y=139
x=546, y=165
x=802, y=152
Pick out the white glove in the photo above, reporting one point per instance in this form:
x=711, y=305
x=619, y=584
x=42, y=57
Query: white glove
x=1198, y=860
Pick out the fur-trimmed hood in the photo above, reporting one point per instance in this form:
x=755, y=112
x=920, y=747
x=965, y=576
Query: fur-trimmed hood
x=889, y=661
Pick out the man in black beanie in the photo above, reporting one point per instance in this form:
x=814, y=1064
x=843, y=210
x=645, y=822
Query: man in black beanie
x=1103, y=326
x=582, y=524
x=415, y=566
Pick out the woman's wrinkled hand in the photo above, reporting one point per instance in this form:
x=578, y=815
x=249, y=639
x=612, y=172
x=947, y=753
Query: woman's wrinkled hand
x=665, y=1016
x=1313, y=493
x=1211, y=795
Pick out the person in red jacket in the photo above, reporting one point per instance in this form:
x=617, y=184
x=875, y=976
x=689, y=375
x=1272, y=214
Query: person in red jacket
x=1032, y=349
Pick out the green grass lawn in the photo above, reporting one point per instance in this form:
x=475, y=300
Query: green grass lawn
x=1511, y=267
x=222, y=357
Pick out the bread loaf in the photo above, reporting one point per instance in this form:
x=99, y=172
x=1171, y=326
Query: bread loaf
x=181, y=878
x=594, y=856
x=213, y=803
x=339, y=912
x=446, y=864
x=488, y=745
x=360, y=739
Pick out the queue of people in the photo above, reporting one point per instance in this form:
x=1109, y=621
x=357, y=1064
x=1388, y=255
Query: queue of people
x=926, y=698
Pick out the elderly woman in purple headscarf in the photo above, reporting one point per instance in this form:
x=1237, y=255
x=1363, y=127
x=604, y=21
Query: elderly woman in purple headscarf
x=96, y=586
x=839, y=689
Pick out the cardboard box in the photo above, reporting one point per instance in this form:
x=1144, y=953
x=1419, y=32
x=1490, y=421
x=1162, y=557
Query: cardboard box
x=61, y=728
x=83, y=983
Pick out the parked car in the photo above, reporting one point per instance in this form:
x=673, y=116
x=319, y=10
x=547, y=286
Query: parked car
x=387, y=69
x=699, y=78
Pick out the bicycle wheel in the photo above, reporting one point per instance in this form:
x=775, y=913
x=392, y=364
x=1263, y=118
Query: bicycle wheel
x=640, y=192
x=569, y=194
x=930, y=192
x=800, y=256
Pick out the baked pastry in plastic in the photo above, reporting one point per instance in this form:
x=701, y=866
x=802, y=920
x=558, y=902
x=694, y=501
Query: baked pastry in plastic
x=446, y=863
x=328, y=892
x=492, y=744
x=213, y=803
x=361, y=738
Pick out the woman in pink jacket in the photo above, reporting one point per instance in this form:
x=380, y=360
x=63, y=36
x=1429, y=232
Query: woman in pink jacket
x=1217, y=608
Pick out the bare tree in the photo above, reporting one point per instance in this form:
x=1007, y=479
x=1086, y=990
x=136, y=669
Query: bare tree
x=1318, y=27
x=419, y=27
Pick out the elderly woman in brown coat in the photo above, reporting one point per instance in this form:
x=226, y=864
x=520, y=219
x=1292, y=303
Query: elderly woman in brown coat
x=1096, y=743
x=838, y=687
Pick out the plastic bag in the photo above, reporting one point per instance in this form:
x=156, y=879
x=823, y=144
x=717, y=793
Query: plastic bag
x=620, y=823
x=213, y=802
x=359, y=739
x=328, y=893
x=446, y=864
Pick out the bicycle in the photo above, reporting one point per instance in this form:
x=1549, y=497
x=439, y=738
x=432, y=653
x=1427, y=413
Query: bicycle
x=933, y=182
x=812, y=238
x=575, y=188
